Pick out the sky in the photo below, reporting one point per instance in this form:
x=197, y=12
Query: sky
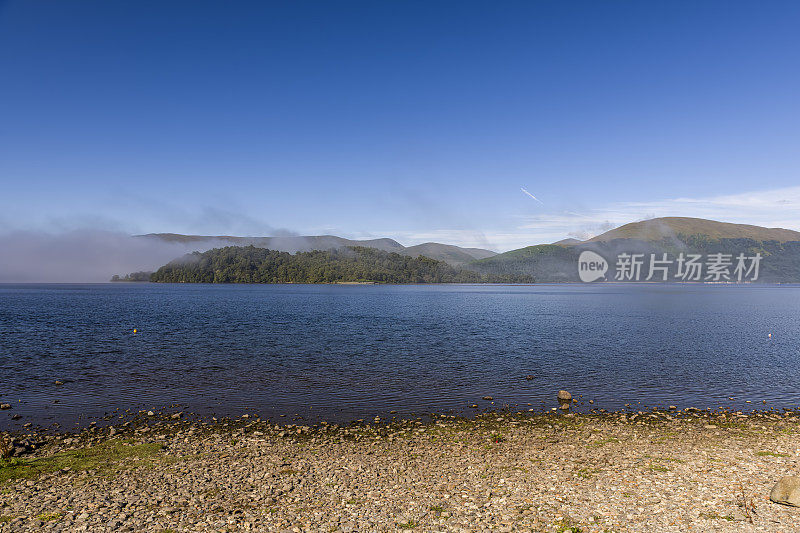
x=420, y=121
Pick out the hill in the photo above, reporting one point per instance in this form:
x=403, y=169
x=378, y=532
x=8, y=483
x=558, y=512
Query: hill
x=250, y=264
x=779, y=249
x=669, y=227
x=568, y=242
x=452, y=255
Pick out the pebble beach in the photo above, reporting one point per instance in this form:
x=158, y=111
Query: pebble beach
x=664, y=471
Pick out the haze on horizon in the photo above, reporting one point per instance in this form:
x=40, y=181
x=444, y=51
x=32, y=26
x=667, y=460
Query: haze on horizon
x=458, y=123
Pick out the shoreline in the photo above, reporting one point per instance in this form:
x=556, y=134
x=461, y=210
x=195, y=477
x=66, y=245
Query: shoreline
x=615, y=471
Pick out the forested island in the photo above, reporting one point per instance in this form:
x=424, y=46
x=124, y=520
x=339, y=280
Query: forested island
x=249, y=264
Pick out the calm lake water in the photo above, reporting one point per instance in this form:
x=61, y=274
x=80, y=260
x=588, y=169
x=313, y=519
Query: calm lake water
x=348, y=352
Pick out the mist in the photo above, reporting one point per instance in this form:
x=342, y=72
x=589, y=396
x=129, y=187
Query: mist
x=84, y=256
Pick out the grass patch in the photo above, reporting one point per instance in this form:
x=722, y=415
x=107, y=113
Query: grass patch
x=666, y=459
x=438, y=509
x=48, y=517
x=771, y=454
x=715, y=516
x=6, y=519
x=563, y=528
x=658, y=468
x=586, y=473
x=602, y=442
x=105, y=458
x=411, y=524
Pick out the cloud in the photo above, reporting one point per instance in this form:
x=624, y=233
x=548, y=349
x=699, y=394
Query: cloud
x=770, y=208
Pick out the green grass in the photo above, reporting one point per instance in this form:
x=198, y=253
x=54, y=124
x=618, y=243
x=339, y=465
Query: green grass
x=48, y=517
x=6, y=519
x=586, y=473
x=715, y=516
x=771, y=454
x=658, y=468
x=411, y=524
x=437, y=509
x=105, y=458
x=602, y=442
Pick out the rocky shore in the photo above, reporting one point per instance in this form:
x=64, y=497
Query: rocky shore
x=659, y=471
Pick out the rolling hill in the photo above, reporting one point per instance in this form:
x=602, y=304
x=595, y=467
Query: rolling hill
x=568, y=242
x=452, y=255
x=558, y=262
x=668, y=227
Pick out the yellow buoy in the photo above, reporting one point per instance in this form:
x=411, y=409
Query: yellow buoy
x=134, y=330
x=770, y=335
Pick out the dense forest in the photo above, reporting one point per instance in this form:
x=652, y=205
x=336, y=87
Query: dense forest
x=248, y=264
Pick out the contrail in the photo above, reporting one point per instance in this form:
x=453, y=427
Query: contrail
x=532, y=196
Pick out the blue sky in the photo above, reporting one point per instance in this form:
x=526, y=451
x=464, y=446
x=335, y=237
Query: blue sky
x=414, y=120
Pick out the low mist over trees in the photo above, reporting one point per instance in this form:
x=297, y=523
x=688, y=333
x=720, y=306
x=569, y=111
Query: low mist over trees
x=236, y=264
x=133, y=276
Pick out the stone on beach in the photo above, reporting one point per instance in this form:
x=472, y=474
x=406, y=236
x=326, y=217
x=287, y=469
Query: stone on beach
x=564, y=400
x=786, y=491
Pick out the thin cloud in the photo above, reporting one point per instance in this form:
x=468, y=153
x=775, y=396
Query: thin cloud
x=770, y=208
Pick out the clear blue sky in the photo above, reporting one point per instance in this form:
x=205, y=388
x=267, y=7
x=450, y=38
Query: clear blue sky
x=413, y=120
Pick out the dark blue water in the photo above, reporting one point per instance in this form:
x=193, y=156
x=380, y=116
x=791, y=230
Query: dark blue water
x=347, y=352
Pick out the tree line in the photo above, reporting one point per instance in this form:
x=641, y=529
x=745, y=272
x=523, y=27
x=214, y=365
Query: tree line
x=249, y=264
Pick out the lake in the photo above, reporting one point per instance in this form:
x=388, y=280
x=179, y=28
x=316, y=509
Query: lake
x=346, y=352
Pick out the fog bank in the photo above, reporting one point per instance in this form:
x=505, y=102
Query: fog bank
x=83, y=256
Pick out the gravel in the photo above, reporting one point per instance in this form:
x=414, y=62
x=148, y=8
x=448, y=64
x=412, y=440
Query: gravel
x=649, y=471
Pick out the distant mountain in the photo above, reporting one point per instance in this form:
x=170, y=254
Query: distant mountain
x=288, y=243
x=568, y=242
x=453, y=255
x=779, y=249
x=448, y=253
x=667, y=227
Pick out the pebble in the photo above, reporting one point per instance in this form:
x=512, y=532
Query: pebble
x=647, y=471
